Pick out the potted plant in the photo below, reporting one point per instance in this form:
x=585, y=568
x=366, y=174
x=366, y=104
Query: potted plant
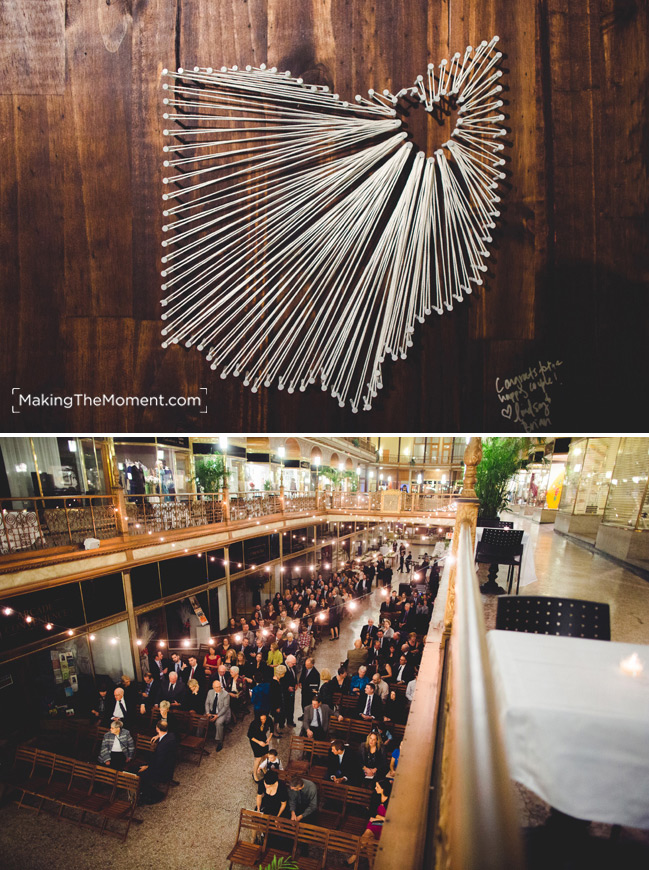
x=501, y=459
x=283, y=863
x=211, y=473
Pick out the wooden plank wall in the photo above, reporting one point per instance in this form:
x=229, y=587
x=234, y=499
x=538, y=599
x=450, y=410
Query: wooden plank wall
x=80, y=186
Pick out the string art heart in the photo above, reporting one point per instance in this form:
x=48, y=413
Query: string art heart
x=305, y=235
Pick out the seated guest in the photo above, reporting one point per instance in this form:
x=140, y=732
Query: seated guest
x=162, y=765
x=410, y=689
x=229, y=659
x=381, y=687
x=166, y=715
x=341, y=682
x=217, y=707
x=291, y=646
x=172, y=689
x=388, y=631
x=102, y=708
x=117, y=747
x=130, y=691
x=404, y=672
x=272, y=795
x=394, y=709
x=316, y=720
x=374, y=828
x=342, y=764
x=356, y=657
x=372, y=757
x=394, y=762
x=212, y=660
x=369, y=705
x=121, y=710
x=368, y=633
x=411, y=649
x=302, y=800
x=408, y=620
x=270, y=761
x=359, y=682
x=258, y=671
x=194, y=699
x=148, y=694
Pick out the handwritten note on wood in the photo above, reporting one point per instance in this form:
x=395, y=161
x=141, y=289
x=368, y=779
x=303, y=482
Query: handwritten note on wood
x=32, y=46
x=526, y=398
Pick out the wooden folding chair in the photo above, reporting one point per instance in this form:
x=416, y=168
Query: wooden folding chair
x=251, y=838
x=332, y=798
x=344, y=845
x=319, y=759
x=300, y=753
x=311, y=837
x=196, y=737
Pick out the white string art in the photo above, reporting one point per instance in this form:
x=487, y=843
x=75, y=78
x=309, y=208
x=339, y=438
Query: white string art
x=306, y=235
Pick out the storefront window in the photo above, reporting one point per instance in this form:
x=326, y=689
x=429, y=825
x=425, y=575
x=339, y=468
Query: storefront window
x=153, y=467
x=627, y=499
x=111, y=652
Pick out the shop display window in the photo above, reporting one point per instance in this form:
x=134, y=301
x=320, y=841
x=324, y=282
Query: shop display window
x=111, y=652
x=626, y=505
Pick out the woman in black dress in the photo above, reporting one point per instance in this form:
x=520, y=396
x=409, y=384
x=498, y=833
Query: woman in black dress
x=272, y=795
x=259, y=734
x=372, y=759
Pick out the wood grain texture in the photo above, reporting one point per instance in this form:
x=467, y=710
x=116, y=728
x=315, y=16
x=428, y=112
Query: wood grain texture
x=32, y=46
x=80, y=198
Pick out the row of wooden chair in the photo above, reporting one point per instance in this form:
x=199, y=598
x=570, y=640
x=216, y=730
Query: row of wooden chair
x=261, y=837
x=40, y=778
x=355, y=731
x=307, y=757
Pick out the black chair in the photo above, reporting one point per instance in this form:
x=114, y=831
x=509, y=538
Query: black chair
x=568, y=617
x=501, y=547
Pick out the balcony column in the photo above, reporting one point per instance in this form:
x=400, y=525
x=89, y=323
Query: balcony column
x=467, y=512
x=226, y=502
x=282, y=499
x=119, y=502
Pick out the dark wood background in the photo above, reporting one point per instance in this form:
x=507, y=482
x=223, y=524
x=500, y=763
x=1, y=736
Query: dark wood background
x=80, y=188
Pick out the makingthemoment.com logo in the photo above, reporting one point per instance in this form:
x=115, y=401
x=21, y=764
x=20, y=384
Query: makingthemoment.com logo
x=21, y=400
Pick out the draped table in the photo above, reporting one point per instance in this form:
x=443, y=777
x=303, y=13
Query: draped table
x=576, y=727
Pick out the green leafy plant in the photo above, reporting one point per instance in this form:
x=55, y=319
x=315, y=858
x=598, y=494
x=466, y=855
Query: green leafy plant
x=283, y=863
x=211, y=473
x=268, y=485
x=501, y=459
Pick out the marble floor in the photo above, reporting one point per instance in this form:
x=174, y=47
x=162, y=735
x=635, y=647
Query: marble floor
x=195, y=826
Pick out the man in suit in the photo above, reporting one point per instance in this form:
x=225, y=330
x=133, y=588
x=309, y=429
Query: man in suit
x=160, y=666
x=217, y=707
x=162, y=764
x=369, y=704
x=342, y=765
x=316, y=720
x=172, y=689
x=177, y=664
x=309, y=683
x=121, y=710
x=102, y=706
x=289, y=684
x=356, y=657
x=408, y=621
x=148, y=694
x=380, y=687
x=302, y=800
x=192, y=671
x=405, y=671
x=368, y=633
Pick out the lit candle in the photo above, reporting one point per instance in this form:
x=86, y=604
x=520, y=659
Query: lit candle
x=632, y=665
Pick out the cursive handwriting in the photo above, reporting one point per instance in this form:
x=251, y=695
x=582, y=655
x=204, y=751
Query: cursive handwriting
x=525, y=398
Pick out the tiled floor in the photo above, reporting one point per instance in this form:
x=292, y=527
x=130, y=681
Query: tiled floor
x=196, y=826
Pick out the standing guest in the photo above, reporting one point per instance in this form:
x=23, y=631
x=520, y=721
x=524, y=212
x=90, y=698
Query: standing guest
x=162, y=765
x=302, y=800
x=217, y=707
x=374, y=827
x=372, y=757
x=177, y=664
x=192, y=671
x=309, y=683
x=276, y=698
x=259, y=733
x=130, y=691
x=359, y=682
x=117, y=747
x=289, y=684
x=335, y=614
x=341, y=764
x=316, y=720
x=356, y=657
x=212, y=660
x=270, y=761
x=272, y=795
x=327, y=689
x=258, y=671
x=238, y=693
x=160, y=666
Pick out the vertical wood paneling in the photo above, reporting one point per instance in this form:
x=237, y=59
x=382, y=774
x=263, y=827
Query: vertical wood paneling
x=80, y=198
x=32, y=46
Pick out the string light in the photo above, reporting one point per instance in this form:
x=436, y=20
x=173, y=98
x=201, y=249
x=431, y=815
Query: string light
x=29, y=619
x=48, y=626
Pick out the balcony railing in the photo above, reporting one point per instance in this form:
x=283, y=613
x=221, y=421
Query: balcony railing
x=53, y=521
x=29, y=524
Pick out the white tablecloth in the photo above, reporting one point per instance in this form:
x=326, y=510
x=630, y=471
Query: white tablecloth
x=528, y=572
x=576, y=727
